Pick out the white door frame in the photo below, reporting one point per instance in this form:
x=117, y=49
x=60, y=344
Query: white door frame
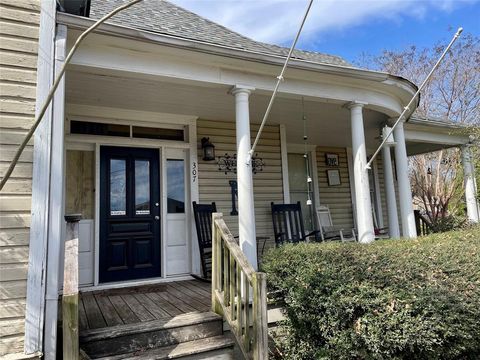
x=74, y=141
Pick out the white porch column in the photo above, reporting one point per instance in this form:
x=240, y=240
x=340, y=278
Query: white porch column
x=246, y=211
x=404, y=189
x=393, y=227
x=469, y=183
x=360, y=173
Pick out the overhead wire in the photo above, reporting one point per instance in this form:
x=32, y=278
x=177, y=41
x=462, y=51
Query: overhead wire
x=48, y=99
x=410, y=103
x=280, y=78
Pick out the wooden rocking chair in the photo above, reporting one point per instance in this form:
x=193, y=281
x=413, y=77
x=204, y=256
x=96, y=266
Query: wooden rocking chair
x=203, y=223
x=288, y=224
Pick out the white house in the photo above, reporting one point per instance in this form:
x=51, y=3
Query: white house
x=122, y=146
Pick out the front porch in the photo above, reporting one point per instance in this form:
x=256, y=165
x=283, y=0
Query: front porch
x=117, y=124
x=166, y=320
x=138, y=304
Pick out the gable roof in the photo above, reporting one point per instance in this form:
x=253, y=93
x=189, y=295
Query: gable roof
x=163, y=17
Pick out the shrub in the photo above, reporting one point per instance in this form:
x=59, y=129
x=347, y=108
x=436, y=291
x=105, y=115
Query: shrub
x=448, y=223
x=403, y=299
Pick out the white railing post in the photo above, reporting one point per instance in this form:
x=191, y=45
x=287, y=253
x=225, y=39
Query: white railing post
x=260, y=320
x=216, y=264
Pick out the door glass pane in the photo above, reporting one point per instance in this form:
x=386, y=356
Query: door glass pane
x=118, y=189
x=175, y=186
x=142, y=187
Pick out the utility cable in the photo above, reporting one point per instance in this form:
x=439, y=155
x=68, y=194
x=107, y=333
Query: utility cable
x=47, y=101
x=280, y=78
x=407, y=108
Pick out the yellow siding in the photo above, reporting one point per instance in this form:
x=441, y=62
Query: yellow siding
x=80, y=183
x=19, y=21
x=268, y=185
x=338, y=198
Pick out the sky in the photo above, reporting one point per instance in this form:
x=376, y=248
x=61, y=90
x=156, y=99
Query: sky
x=344, y=27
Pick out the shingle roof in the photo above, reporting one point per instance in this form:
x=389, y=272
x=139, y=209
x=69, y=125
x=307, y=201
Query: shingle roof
x=163, y=17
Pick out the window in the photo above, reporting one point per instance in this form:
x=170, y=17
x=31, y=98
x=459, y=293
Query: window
x=157, y=133
x=118, y=187
x=92, y=128
x=140, y=132
x=298, y=173
x=175, y=186
x=142, y=187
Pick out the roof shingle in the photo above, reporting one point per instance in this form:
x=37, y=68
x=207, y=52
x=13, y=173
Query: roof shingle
x=163, y=17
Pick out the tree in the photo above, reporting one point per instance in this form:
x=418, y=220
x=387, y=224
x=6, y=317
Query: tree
x=452, y=94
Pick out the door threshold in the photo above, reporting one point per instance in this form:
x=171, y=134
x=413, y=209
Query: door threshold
x=132, y=283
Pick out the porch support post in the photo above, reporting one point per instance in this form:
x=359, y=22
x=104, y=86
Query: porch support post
x=404, y=189
x=360, y=174
x=393, y=226
x=469, y=184
x=56, y=223
x=246, y=213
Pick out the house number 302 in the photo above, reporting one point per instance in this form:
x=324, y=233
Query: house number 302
x=194, y=171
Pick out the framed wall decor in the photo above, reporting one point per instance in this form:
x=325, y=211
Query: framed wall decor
x=331, y=159
x=333, y=177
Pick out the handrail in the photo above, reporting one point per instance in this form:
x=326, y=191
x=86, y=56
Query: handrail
x=422, y=224
x=236, y=284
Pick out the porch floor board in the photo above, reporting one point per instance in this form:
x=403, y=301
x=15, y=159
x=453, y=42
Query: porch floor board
x=105, y=308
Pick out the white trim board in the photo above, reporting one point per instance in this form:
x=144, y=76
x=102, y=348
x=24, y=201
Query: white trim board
x=34, y=317
x=57, y=202
x=432, y=138
x=190, y=149
x=352, y=185
x=103, y=113
x=284, y=152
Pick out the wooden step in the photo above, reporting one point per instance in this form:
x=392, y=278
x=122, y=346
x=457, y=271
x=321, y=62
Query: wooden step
x=130, y=338
x=218, y=348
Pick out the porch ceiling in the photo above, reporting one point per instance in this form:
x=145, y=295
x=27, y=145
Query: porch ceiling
x=328, y=122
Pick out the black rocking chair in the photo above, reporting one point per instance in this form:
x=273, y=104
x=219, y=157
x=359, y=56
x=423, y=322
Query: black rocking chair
x=203, y=223
x=288, y=224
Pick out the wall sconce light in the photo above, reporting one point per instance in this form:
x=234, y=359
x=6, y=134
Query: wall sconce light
x=208, y=149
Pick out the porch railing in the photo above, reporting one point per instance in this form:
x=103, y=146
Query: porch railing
x=236, y=285
x=422, y=224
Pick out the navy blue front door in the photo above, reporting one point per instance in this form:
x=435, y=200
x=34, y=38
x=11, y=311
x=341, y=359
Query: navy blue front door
x=129, y=214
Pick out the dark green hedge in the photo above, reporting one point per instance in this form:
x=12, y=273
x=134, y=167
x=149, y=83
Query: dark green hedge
x=404, y=299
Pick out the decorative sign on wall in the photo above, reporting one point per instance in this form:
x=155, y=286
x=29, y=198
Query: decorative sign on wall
x=228, y=163
x=333, y=177
x=331, y=160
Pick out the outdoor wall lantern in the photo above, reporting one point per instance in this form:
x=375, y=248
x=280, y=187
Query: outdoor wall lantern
x=208, y=149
